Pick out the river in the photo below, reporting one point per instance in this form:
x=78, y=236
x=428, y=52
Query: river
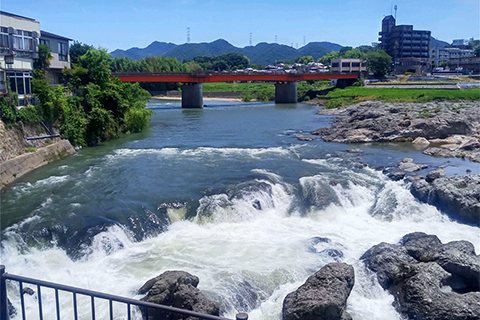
x=226, y=193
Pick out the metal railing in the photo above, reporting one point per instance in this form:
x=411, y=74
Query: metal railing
x=146, y=308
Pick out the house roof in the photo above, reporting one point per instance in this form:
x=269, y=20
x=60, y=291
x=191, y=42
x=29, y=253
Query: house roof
x=52, y=35
x=15, y=15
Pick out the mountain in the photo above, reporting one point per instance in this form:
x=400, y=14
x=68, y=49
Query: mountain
x=188, y=51
x=266, y=53
x=262, y=53
x=318, y=49
x=156, y=48
x=438, y=43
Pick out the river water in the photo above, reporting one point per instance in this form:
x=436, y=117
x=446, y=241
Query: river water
x=226, y=193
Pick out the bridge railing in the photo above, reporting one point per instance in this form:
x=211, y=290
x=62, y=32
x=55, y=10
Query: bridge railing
x=230, y=73
x=147, y=308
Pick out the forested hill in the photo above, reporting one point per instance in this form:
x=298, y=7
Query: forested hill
x=262, y=53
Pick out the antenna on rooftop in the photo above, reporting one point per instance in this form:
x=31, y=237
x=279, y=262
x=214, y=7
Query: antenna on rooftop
x=188, y=35
x=250, y=38
x=395, y=12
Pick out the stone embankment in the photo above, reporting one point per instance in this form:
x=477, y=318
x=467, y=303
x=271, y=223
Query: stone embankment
x=450, y=129
x=18, y=157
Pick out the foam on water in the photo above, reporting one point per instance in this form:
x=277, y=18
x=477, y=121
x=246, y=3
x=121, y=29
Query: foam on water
x=252, y=247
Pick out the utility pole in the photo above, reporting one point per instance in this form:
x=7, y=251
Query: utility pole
x=395, y=12
x=188, y=35
x=276, y=39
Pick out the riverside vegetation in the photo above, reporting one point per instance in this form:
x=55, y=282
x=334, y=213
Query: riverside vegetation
x=90, y=108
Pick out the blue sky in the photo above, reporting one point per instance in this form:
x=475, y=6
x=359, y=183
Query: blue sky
x=122, y=24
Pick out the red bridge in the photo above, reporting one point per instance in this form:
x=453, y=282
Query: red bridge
x=192, y=95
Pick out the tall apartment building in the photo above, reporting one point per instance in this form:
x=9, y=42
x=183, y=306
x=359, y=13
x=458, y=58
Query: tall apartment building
x=408, y=48
x=18, y=49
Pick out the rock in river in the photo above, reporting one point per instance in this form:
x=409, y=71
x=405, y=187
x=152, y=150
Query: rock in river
x=457, y=196
x=323, y=296
x=429, y=280
x=177, y=289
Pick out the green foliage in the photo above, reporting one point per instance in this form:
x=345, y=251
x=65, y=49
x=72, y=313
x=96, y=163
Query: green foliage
x=78, y=49
x=378, y=62
x=44, y=57
x=305, y=59
x=28, y=115
x=7, y=113
x=31, y=149
x=193, y=67
x=329, y=56
x=150, y=64
x=339, y=102
x=75, y=77
x=406, y=95
x=246, y=97
x=97, y=62
x=354, y=54
x=52, y=101
x=343, y=50
x=137, y=117
x=226, y=61
x=101, y=126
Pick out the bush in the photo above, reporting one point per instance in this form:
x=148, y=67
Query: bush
x=137, y=117
x=338, y=102
x=28, y=115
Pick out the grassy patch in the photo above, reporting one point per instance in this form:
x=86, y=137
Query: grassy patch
x=31, y=149
x=395, y=94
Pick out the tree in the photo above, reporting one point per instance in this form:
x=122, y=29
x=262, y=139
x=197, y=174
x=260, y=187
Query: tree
x=354, y=54
x=378, y=62
x=44, y=57
x=344, y=49
x=97, y=62
x=329, y=56
x=78, y=49
x=305, y=59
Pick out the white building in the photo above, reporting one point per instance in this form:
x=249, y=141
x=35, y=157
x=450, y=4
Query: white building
x=59, y=48
x=347, y=65
x=443, y=56
x=18, y=49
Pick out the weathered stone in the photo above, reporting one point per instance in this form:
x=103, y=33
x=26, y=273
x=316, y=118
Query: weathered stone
x=421, y=141
x=373, y=121
x=435, y=174
x=429, y=280
x=177, y=289
x=323, y=296
x=457, y=196
x=302, y=137
x=408, y=165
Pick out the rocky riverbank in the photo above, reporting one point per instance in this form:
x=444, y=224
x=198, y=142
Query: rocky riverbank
x=448, y=129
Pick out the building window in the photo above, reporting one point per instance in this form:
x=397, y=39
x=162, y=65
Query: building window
x=20, y=82
x=45, y=42
x=356, y=64
x=23, y=40
x=62, y=51
x=345, y=64
x=335, y=65
x=3, y=37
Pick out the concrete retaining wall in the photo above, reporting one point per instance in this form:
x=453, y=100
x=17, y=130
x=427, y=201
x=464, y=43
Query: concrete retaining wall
x=12, y=169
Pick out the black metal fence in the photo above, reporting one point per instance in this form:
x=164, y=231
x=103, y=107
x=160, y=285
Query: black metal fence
x=146, y=308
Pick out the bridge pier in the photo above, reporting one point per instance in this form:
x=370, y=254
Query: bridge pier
x=192, y=95
x=286, y=92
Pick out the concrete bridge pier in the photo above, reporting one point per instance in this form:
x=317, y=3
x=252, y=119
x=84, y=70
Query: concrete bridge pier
x=192, y=95
x=286, y=92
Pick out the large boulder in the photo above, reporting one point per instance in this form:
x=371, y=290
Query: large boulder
x=323, y=296
x=429, y=280
x=176, y=289
x=457, y=196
